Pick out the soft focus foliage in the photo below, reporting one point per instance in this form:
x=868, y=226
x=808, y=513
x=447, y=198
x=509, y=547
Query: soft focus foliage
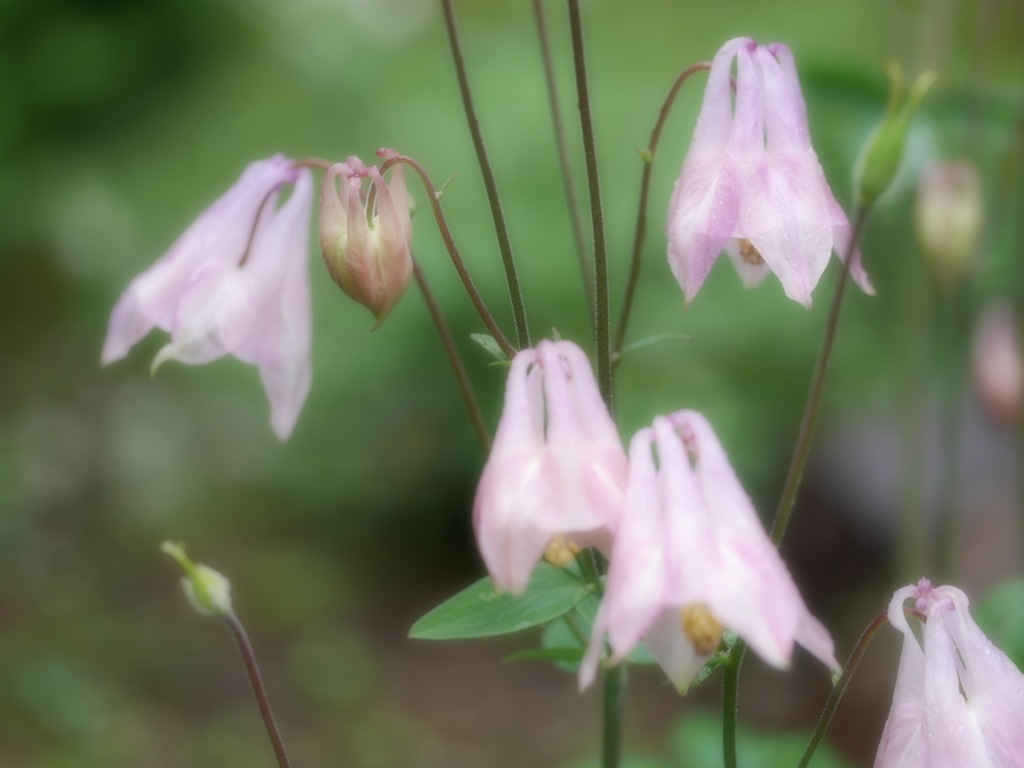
x=122, y=121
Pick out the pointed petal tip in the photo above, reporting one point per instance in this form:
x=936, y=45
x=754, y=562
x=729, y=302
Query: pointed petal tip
x=167, y=352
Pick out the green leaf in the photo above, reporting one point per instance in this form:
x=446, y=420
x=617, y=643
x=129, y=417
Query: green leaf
x=564, y=654
x=658, y=338
x=487, y=341
x=721, y=656
x=1001, y=616
x=478, y=612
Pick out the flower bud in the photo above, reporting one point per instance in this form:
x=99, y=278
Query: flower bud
x=996, y=364
x=880, y=158
x=366, y=251
x=948, y=219
x=208, y=591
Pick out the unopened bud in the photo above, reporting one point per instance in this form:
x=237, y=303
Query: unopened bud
x=996, y=364
x=880, y=158
x=208, y=591
x=366, y=252
x=948, y=219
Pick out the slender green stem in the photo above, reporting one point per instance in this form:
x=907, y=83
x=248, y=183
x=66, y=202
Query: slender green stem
x=844, y=680
x=564, y=162
x=602, y=330
x=500, y=228
x=259, y=691
x=575, y=628
x=454, y=359
x=453, y=251
x=821, y=366
x=611, y=730
x=952, y=310
x=645, y=186
x=730, y=704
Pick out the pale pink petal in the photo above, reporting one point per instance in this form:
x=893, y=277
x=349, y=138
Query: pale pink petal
x=904, y=743
x=705, y=200
x=219, y=235
x=674, y=651
x=785, y=212
x=751, y=275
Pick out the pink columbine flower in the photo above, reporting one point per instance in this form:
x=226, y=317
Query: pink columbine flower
x=367, y=256
x=751, y=182
x=691, y=557
x=556, y=471
x=236, y=282
x=959, y=700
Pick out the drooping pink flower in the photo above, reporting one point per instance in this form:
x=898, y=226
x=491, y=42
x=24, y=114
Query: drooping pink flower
x=751, y=183
x=691, y=558
x=236, y=282
x=959, y=700
x=367, y=256
x=996, y=365
x=556, y=467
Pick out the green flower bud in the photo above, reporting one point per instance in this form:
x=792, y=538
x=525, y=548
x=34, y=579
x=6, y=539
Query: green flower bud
x=208, y=591
x=880, y=158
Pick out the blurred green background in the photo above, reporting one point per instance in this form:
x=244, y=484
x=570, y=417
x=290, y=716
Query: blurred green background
x=120, y=121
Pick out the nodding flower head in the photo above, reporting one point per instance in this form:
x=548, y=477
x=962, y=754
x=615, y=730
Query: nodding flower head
x=367, y=251
x=556, y=474
x=691, y=559
x=751, y=183
x=959, y=700
x=236, y=282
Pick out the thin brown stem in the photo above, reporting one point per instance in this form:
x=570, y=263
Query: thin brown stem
x=645, y=186
x=500, y=228
x=821, y=366
x=564, y=162
x=602, y=329
x=259, y=691
x=844, y=680
x=454, y=359
x=453, y=251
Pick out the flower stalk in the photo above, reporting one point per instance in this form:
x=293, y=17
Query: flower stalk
x=259, y=691
x=821, y=366
x=645, y=187
x=500, y=228
x=476, y=416
x=602, y=325
x=565, y=164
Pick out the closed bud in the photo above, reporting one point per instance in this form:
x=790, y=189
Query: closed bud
x=208, y=591
x=948, y=219
x=365, y=241
x=996, y=365
x=880, y=159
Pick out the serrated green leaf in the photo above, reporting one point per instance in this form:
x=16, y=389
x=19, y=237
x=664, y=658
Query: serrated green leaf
x=563, y=654
x=487, y=341
x=478, y=612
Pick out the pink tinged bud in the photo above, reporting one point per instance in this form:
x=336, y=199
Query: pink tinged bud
x=556, y=466
x=368, y=257
x=959, y=700
x=948, y=218
x=760, y=194
x=236, y=282
x=690, y=557
x=996, y=364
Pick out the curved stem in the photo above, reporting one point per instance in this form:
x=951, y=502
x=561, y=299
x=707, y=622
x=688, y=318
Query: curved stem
x=645, y=185
x=453, y=251
x=844, y=680
x=803, y=441
x=611, y=730
x=602, y=330
x=564, y=163
x=312, y=162
x=259, y=691
x=452, y=352
x=730, y=704
x=501, y=230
